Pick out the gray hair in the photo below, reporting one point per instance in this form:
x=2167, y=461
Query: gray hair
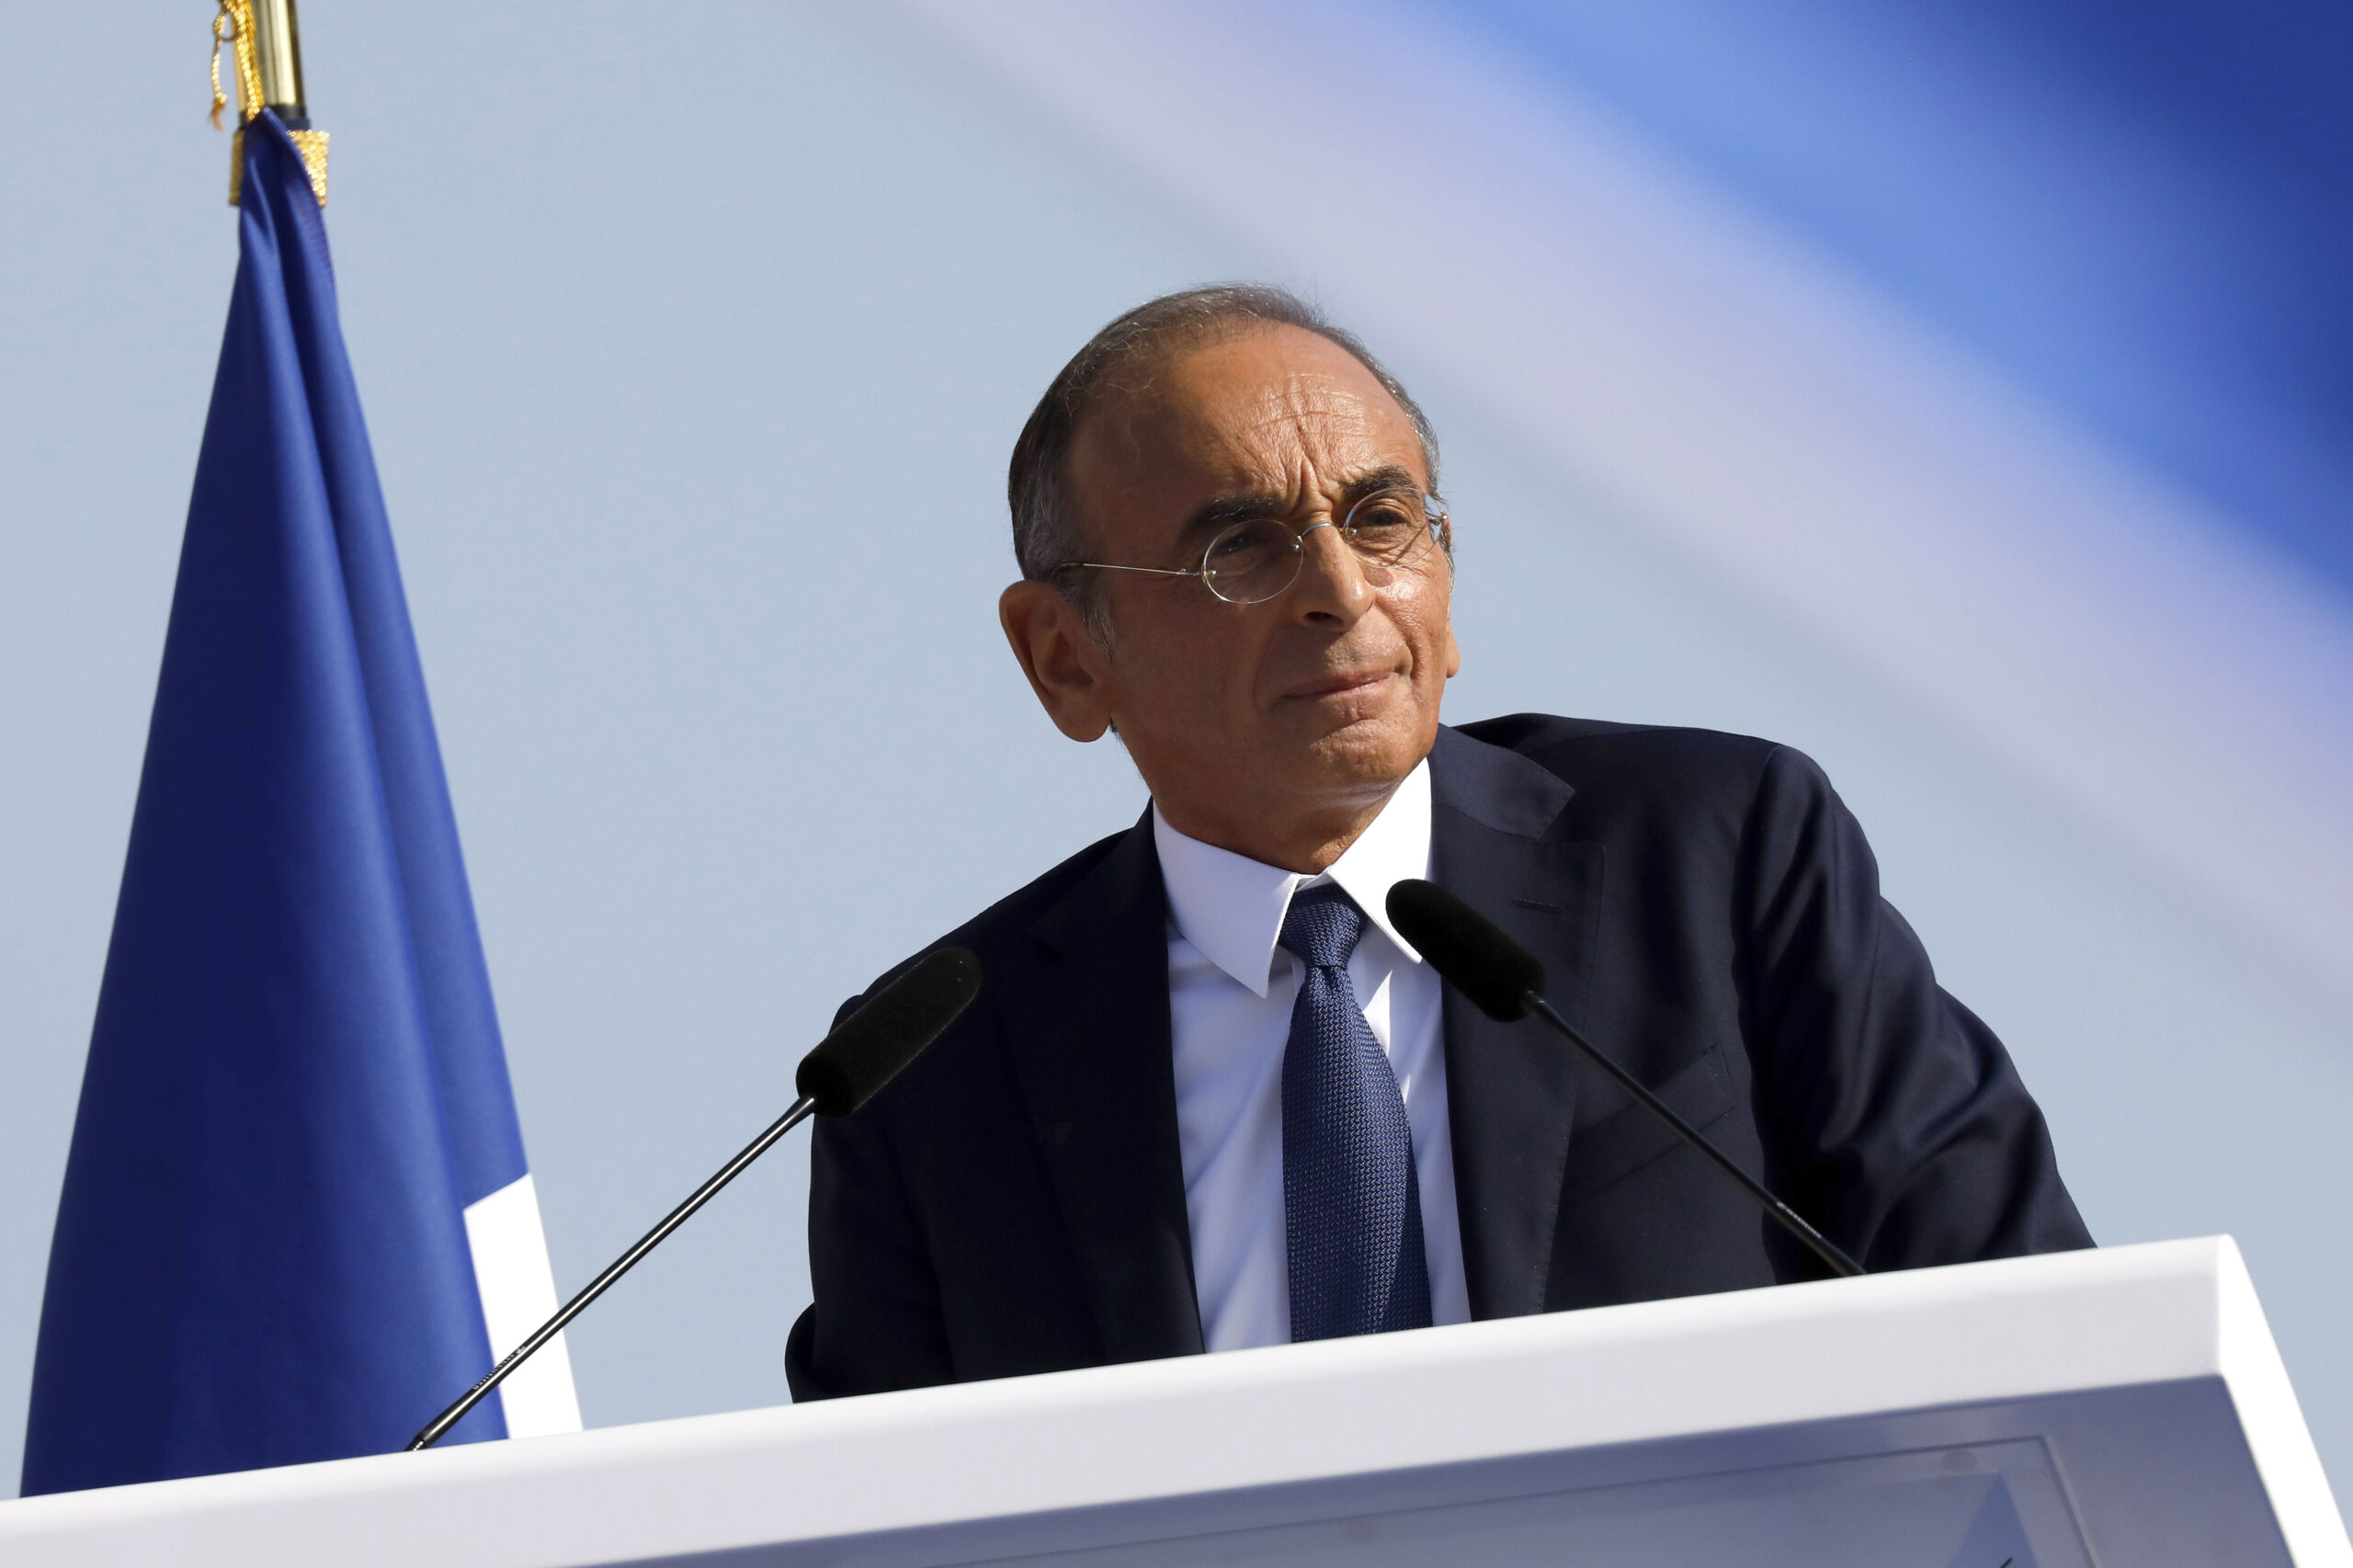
x=1047, y=530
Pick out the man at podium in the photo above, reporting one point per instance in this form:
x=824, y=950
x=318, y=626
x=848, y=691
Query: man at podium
x=1209, y=1099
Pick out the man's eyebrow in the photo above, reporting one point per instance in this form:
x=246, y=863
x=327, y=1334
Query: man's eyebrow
x=1216, y=514
x=1389, y=476
x=1225, y=509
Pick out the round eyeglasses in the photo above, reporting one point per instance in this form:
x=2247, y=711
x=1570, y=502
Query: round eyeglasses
x=1251, y=562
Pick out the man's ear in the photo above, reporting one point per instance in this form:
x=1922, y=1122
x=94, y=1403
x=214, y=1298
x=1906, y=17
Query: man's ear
x=1068, y=667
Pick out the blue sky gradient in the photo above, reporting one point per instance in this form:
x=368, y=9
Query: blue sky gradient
x=2142, y=211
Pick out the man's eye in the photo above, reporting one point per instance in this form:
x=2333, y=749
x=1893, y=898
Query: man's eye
x=1385, y=517
x=1244, y=542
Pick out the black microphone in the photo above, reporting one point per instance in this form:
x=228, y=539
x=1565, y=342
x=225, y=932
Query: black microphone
x=848, y=1068
x=1503, y=981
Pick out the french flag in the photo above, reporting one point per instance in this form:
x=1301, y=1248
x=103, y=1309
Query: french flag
x=296, y=1221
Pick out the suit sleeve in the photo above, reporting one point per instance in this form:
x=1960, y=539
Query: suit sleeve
x=876, y=1323
x=1893, y=1117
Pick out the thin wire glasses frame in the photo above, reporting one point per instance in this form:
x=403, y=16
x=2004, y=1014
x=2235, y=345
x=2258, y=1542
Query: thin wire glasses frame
x=1248, y=562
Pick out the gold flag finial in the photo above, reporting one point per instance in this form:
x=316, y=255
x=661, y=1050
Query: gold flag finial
x=268, y=52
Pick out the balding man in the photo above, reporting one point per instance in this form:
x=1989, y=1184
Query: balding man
x=1209, y=1099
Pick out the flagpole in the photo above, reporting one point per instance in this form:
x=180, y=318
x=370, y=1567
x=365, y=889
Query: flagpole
x=277, y=59
x=269, y=44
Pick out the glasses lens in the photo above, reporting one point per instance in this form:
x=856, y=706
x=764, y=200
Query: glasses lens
x=1391, y=528
x=1251, y=562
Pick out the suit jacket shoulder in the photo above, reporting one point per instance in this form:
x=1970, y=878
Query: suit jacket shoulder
x=1668, y=768
x=1705, y=803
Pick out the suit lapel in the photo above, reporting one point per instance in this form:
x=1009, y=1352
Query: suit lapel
x=1511, y=1088
x=1091, y=1044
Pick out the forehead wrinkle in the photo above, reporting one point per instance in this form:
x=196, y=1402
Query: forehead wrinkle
x=1295, y=428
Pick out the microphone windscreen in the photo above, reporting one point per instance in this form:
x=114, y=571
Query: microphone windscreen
x=1466, y=949
x=851, y=1064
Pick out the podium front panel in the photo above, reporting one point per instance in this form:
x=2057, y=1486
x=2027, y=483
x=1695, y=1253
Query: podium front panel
x=2123, y=1408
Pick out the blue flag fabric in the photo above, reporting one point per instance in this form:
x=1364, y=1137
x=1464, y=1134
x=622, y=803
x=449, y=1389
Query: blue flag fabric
x=296, y=1085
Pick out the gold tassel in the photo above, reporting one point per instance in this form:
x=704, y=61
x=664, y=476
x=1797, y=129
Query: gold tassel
x=220, y=23
x=236, y=24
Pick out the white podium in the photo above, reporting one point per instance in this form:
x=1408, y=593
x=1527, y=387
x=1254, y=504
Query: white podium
x=2115, y=1409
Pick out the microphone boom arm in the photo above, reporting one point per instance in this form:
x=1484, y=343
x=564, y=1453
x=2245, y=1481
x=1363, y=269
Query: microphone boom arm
x=439, y=1425
x=849, y=1067
x=1788, y=1218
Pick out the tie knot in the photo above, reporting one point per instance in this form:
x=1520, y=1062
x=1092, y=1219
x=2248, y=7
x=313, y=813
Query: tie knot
x=1322, y=926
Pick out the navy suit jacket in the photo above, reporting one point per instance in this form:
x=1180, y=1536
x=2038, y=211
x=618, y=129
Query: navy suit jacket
x=1706, y=910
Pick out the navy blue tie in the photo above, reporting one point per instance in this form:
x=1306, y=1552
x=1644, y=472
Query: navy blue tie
x=1352, y=1203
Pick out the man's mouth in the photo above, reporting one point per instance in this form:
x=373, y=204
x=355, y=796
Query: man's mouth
x=1343, y=684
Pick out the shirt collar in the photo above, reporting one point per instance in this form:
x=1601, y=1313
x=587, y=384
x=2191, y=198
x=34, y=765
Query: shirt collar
x=1232, y=907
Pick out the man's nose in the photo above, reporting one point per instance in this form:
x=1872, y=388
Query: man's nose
x=1332, y=583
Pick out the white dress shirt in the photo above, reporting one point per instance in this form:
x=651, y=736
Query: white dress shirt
x=1230, y=987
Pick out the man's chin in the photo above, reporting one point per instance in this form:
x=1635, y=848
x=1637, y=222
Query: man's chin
x=1374, y=749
